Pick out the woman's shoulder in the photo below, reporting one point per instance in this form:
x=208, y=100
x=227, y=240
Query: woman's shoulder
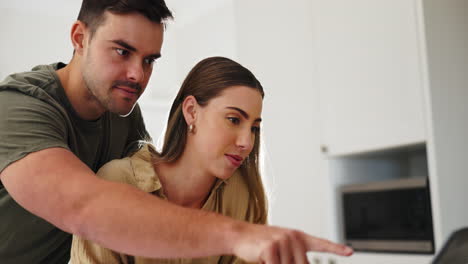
x=116, y=170
x=136, y=170
x=144, y=176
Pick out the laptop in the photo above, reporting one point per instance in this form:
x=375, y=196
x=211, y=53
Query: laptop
x=455, y=250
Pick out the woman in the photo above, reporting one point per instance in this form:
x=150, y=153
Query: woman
x=209, y=159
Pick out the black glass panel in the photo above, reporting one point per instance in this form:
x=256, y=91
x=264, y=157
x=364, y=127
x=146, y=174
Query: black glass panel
x=388, y=215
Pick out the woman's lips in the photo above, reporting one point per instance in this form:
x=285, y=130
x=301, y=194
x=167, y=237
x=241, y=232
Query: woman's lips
x=235, y=160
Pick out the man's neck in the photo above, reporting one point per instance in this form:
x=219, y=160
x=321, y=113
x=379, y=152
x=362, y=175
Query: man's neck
x=81, y=99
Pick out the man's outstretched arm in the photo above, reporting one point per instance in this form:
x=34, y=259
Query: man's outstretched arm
x=55, y=185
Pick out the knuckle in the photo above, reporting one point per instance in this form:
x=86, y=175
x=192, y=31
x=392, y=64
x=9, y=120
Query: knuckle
x=272, y=247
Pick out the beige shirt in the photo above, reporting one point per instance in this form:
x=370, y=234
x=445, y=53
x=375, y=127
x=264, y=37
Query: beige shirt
x=228, y=197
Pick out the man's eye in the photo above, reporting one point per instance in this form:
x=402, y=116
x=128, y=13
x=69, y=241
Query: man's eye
x=150, y=61
x=121, y=52
x=234, y=120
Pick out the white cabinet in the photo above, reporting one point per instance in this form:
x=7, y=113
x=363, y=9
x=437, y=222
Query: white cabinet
x=369, y=74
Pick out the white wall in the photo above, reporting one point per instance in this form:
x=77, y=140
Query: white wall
x=189, y=38
x=31, y=35
x=275, y=42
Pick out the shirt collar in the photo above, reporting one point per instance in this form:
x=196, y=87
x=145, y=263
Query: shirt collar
x=146, y=178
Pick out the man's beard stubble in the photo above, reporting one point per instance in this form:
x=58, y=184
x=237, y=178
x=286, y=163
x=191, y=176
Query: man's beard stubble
x=104, y=101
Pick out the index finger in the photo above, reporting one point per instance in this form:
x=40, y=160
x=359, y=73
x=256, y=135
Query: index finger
x=323, y=245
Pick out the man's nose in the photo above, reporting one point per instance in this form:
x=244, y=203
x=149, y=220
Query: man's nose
x=135, y=72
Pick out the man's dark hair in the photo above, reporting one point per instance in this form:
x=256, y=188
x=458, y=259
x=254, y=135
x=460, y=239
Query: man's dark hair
x=92, y=11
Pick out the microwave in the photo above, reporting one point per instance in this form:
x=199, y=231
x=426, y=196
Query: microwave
x=388, y=216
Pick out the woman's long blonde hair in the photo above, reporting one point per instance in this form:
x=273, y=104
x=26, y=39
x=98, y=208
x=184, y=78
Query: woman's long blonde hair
x=206, y=81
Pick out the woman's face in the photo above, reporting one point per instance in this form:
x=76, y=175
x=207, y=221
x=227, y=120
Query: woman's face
x=225, y=129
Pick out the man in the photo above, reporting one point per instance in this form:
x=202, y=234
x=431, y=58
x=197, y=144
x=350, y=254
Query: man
x=60, y=123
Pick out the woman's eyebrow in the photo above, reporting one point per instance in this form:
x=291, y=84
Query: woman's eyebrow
x=243, y=113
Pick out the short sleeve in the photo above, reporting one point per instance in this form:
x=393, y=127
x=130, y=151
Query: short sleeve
x=119, y=170
x=137, y=171
x=28, y=125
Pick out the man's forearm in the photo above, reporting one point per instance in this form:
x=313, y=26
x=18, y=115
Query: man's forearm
x=151, y=227
x=116, y=215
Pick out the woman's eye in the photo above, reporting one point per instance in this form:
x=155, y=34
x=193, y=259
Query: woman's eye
x=255, y=129
x=121, y=52
x=234, y=120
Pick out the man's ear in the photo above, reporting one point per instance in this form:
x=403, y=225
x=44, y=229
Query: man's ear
x=189, y=109
x=79, y=34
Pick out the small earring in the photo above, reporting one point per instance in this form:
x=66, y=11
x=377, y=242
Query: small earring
x=190, y=128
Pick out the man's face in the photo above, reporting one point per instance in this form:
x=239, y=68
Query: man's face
x=118, y=60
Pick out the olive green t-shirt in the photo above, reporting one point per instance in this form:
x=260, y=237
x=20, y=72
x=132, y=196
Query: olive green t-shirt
x=35, y=114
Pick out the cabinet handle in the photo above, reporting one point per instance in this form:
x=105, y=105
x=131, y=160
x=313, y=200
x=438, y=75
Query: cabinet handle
x=324, y=149
x=317, y=261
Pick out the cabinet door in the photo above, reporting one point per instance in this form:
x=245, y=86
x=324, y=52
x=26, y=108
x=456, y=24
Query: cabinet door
x=369, y=74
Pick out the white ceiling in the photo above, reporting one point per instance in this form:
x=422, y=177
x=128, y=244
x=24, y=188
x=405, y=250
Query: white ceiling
x=184, y=10
x=50, y=7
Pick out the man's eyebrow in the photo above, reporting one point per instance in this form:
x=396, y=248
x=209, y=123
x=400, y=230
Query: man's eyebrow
x=154, y=56
x=243, y=113
x=124, y=44
x=131, y=48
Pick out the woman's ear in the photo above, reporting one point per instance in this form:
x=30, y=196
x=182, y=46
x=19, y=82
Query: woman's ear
x=189, y=109
x=78, y=35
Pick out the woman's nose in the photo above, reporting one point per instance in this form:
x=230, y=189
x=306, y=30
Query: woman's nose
x=245, y=140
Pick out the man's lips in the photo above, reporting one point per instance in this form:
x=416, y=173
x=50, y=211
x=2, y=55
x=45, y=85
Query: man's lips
x=127, y=89
x=234, y=159
x=127, y=92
